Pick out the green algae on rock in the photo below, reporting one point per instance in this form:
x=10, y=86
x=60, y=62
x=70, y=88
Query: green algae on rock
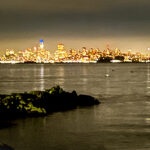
x=42, y=102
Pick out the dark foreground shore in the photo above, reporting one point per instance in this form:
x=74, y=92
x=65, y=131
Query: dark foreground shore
x=37, y=103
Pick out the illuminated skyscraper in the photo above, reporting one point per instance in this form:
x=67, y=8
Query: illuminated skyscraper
x=41, y=44
x=60, y=54
x=60, y=47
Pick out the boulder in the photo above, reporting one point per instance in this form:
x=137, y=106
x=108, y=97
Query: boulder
x=5, y=147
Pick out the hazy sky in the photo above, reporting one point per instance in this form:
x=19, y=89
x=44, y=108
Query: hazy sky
x=76, y=23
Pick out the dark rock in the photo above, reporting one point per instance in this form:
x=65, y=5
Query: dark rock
x=5, y=124
x=86, y=100
x=5, y=147
x=38, y=103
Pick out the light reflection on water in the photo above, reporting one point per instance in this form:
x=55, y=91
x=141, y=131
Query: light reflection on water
x=42, y=78
x=148, y=79
x=121, y=122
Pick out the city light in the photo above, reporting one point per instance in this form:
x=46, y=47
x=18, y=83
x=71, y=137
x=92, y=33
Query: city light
x=38, y=54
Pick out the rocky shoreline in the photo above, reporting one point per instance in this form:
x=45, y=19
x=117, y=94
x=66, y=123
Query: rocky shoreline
x=38, y=103
x=5, y=147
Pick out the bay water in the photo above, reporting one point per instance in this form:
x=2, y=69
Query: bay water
x=120, y=122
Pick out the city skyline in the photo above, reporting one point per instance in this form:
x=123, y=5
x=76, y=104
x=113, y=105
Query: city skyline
x=39, y=54
x=101, y=45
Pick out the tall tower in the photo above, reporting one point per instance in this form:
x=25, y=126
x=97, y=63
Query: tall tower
x=41, y=44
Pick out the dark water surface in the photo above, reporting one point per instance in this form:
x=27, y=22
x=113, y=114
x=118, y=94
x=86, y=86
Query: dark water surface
x=121, y=122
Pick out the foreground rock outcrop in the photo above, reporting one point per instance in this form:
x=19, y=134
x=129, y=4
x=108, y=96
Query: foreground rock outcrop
x=5, y=147
x=42, y=102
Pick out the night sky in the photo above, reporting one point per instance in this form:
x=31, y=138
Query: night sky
x=76, y=23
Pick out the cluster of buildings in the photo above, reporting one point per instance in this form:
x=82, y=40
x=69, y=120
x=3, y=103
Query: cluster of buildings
x=38, y=54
